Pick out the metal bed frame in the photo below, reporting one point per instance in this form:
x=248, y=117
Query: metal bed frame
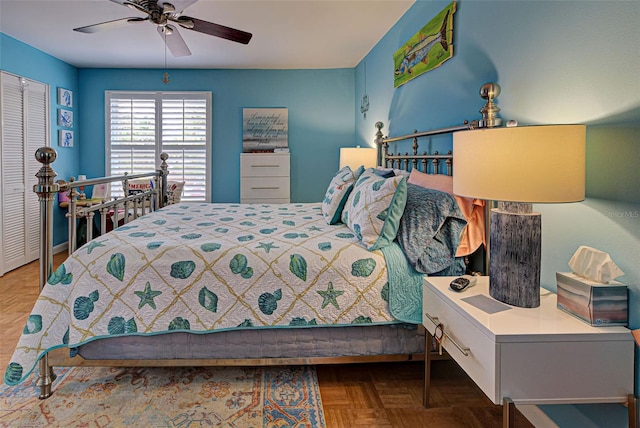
x=47, y=190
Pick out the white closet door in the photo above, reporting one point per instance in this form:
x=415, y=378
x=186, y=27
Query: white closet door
x=37, y=125
x=24, y=128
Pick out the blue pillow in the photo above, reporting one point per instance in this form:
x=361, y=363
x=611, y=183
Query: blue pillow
x=429, y=231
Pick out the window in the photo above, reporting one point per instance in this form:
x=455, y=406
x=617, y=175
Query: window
x=141, y=125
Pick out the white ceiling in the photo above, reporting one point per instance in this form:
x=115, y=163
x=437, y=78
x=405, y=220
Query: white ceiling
x=286, y=34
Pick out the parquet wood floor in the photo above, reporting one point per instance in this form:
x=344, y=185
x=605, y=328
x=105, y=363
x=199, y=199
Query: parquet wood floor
x=385, y=395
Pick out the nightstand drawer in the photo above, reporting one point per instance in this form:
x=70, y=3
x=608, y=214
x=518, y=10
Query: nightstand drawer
x=267, y=165
x=480, y=361
x=259, y=188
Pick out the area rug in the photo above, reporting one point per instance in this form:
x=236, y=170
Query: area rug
x=241, y=397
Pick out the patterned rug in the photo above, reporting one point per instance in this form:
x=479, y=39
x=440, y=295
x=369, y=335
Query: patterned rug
x=238, y=397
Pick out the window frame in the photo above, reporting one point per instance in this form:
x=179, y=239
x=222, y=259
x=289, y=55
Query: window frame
x=158, y=97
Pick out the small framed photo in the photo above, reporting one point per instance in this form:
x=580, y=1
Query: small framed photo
x=101, y=191
x=65, y=97
x=65, y=138
x=65, y=118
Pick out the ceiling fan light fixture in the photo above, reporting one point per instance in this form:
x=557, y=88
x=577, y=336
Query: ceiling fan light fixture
x=164, y=13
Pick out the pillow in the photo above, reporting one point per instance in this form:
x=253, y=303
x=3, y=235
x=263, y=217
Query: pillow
x=441, y=182
x=174, y=191
x=374, y=208
x=385, y=173
x=140, y=185
x=395, y=171
x=473, y=235
x=338, y=192
x=430, y=229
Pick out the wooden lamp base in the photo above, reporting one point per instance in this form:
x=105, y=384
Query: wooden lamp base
x=515, y=249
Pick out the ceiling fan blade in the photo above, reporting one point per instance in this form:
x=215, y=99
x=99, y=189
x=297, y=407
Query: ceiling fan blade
x=109, y=25
x=121, y=2
x=168, y=8
x=216, y=30
x=132, y=4
x=174, y=41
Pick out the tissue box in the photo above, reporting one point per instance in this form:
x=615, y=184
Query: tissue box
x=593, y=302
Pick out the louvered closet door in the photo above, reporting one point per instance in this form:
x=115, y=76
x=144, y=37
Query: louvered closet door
x=24, y=114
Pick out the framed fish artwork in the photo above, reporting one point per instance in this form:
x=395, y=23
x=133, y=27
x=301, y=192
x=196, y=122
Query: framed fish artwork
x=427, y=49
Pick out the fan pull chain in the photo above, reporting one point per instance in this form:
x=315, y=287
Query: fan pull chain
x=165, y=75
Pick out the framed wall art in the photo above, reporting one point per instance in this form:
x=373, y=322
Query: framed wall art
x=65, y=97
x=65, y=118
x=427, y=49
x=264, y=129
x=65, y=138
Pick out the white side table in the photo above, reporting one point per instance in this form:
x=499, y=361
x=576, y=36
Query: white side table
x=528, y=355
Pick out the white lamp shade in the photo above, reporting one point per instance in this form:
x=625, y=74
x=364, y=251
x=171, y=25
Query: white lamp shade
x=521, y=164
x=354, y=157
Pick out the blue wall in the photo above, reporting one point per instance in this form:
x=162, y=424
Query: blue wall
x=23, y=60
x=557, y=62
x=320, y=104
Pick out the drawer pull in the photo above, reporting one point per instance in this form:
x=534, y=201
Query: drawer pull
x=264, y=188
x=434, y=320
x=265, y=166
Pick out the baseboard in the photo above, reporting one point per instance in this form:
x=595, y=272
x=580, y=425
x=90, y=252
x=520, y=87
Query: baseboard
x=536, y=416
x=61, y=247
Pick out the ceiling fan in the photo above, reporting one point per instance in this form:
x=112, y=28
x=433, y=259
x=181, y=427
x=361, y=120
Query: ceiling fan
x=166, y=16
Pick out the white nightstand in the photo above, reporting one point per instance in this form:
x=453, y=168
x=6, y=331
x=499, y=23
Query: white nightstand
x=264, y=178
x=528, y=355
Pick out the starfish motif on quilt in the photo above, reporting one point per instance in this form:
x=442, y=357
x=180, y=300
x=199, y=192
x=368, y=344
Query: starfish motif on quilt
x=147, y=296
x=95, y=244
x=330, y=296
x=266, y=246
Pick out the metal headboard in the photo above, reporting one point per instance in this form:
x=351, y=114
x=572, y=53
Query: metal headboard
x=407, y=161
x=423, y=161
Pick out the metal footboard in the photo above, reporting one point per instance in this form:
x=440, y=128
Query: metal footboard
x=47, y=190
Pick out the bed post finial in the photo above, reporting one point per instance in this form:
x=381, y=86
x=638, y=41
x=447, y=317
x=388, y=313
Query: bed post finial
x=379, y=126
x=46, y=190
x=490, y=111
x=164, y=171
x=382, y=146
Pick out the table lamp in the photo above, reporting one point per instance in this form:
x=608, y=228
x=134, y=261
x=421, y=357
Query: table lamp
x=518, y=166
x=356, y=156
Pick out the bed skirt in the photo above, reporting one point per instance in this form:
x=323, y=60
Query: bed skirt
x=262, y=343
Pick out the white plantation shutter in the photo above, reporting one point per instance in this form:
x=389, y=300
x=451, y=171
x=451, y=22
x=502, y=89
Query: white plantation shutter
x=140, y=126
x=184, y=138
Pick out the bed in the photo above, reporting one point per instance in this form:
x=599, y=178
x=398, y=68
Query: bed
x=230, y=284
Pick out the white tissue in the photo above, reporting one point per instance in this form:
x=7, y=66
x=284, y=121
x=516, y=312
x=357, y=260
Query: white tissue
x=594, y=264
